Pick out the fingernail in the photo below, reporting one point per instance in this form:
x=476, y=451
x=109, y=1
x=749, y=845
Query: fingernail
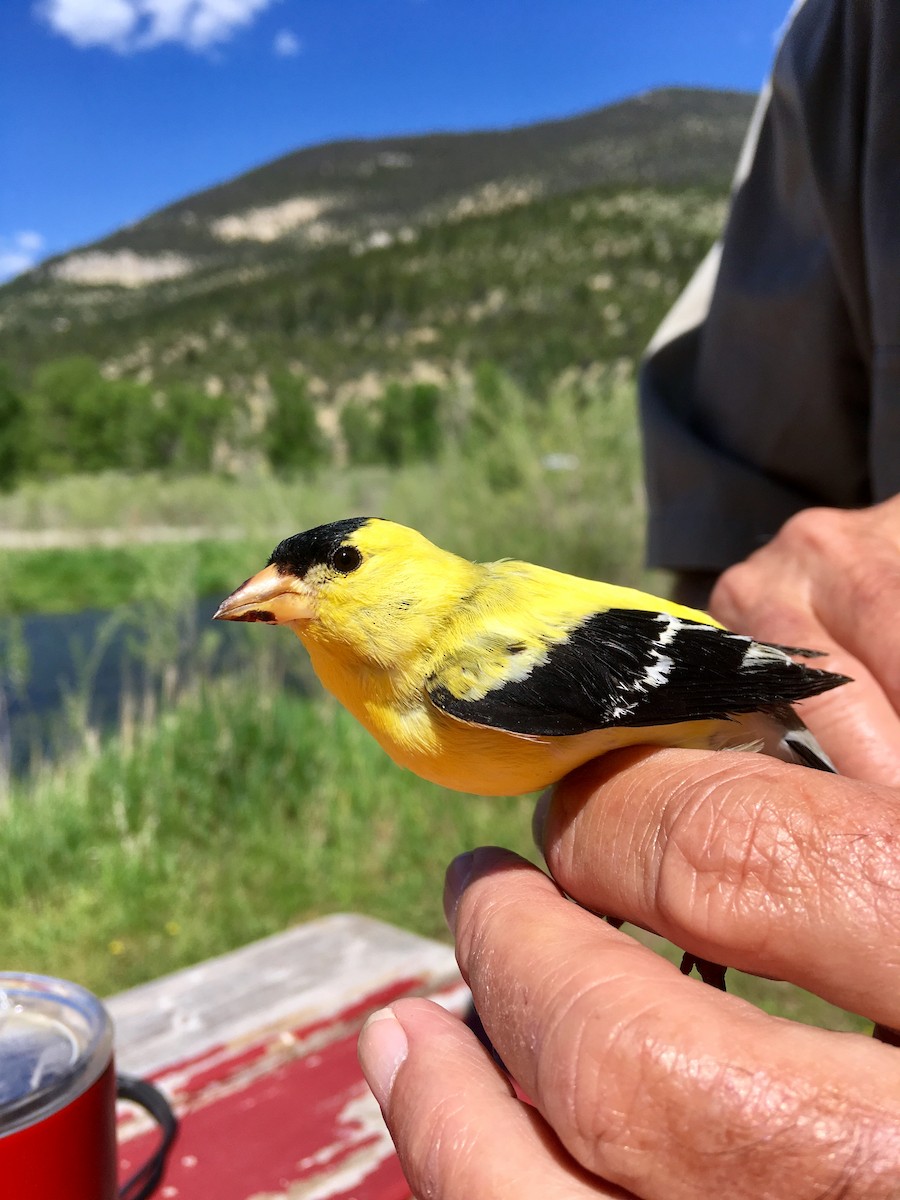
x=458, y=875
x=382, y=1051
x=539, y=820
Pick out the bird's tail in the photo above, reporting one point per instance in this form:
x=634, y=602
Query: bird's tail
x=780, y=733
x=797, y=744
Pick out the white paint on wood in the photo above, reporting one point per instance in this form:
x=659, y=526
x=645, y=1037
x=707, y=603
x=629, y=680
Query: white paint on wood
x=305, y=975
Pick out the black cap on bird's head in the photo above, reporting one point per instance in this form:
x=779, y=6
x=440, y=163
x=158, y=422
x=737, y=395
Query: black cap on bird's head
x=316, y=547
x=282, y=593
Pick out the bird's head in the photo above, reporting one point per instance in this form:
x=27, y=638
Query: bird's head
x=372, y=587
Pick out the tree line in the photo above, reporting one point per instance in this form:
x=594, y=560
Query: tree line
x=71, y=418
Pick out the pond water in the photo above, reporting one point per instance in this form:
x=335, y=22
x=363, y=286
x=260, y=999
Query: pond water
x=83, y=662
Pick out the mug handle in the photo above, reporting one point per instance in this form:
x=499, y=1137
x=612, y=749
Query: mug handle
x=144, y=1182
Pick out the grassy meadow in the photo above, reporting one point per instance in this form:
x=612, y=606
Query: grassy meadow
x=223, y=808
x=239, y=810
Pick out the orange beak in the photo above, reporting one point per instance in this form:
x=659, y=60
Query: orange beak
x=269, y=596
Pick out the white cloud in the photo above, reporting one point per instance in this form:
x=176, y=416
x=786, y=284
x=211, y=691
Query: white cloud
x=131, y=25
x=287, y=44
x=29, y=240
x=19, y=252
x=90, y=22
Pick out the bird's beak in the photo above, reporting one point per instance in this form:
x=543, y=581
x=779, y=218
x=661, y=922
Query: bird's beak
x=269, y=596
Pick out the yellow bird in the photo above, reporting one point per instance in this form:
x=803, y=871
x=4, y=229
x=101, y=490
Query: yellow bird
x=500, y=678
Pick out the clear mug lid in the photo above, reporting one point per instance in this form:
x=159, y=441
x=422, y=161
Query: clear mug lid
x=55, y=1041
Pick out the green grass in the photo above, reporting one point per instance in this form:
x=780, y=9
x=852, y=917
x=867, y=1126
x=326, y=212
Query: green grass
x=82, y=505
x=245, y=808
x=59, y=581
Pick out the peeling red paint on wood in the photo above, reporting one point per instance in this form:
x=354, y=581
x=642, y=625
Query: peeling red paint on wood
x=287, y=1115
x=220, y=1063
x=300, y=1124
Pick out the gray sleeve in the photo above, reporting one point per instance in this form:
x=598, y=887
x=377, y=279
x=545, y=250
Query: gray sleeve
x=774, y=383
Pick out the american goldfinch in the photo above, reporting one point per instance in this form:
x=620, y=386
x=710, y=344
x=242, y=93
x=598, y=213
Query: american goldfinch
x=499, y=678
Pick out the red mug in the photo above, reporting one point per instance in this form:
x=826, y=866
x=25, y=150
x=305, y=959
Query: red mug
x=57, y=1092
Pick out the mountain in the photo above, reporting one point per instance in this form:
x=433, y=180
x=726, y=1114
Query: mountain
x=349, y=236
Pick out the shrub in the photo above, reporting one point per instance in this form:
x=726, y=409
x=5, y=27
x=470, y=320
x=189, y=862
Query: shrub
x=14, y=451
x=293, y=441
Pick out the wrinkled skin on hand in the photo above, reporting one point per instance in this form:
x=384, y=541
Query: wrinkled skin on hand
x=830, y=580
x=645, y=1083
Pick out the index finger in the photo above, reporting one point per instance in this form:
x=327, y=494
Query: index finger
x=741, y=860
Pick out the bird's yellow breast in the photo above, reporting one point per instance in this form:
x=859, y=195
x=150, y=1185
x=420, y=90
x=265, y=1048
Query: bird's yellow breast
x=378, y=668
x=395, y=708
x=472, y=758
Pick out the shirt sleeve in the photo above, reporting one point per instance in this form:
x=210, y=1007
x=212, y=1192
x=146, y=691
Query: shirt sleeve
x=774, y=383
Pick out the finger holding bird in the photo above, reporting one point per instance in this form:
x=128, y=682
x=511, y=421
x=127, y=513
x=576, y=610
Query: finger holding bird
x=499, y=678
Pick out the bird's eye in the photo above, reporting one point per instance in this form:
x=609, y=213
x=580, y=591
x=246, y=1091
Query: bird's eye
x=346, y=559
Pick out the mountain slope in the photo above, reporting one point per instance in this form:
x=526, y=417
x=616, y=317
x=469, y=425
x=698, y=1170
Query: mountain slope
x=665, y=137
x=331, y=192
x=539, y=247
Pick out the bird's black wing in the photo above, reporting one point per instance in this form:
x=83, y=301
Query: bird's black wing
x=627, y=668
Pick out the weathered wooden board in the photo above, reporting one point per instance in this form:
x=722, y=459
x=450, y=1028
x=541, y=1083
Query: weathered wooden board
x=257, y=1051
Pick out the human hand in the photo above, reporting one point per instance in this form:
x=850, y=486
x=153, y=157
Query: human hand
x=830, y=581
x=646, y=1083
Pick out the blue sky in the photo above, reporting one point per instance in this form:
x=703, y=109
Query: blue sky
x=111, y=108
